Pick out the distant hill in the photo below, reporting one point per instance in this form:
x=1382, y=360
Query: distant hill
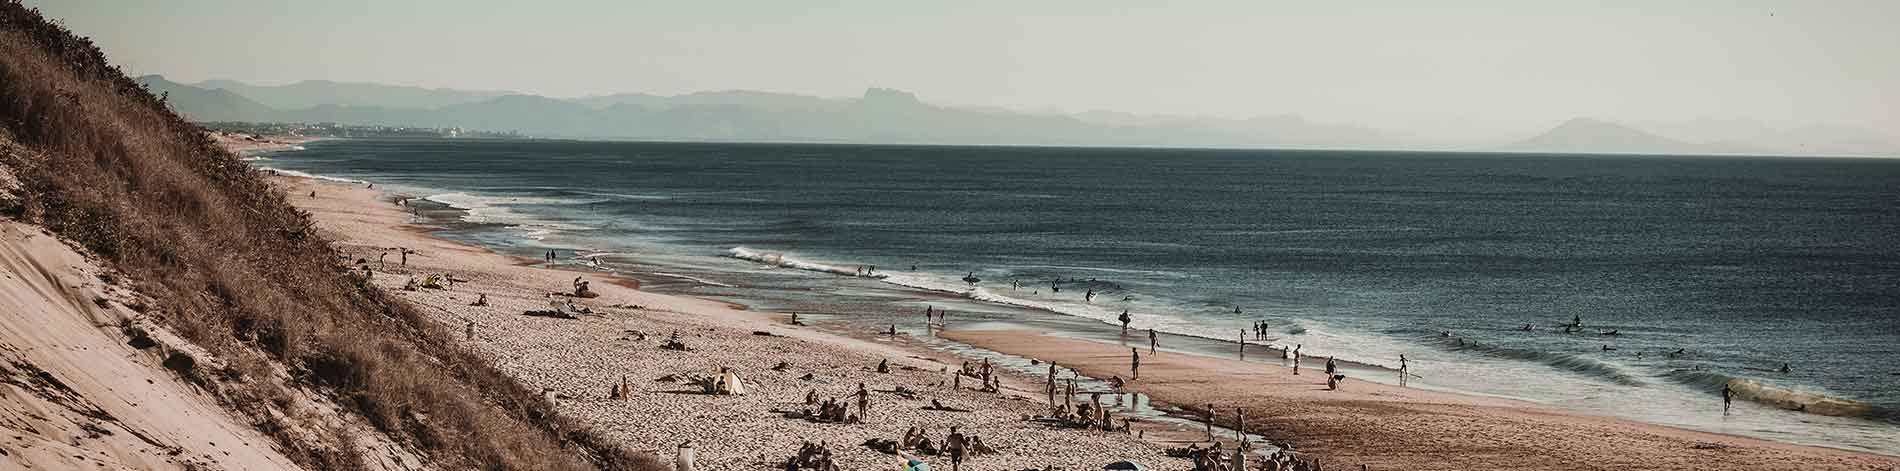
x=310, y=93
x=1590, y=136
x=200, y=104
x=881, y=115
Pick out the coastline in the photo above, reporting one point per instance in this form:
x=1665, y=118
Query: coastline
x=579, y=361
x=1391, y=427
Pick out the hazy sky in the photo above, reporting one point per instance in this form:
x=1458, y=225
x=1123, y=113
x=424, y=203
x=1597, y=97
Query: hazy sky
x=1445, y=69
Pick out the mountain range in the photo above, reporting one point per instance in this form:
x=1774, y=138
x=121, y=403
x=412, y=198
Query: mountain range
x=883, y=115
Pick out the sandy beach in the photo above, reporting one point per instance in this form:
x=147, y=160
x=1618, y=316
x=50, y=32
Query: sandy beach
x=579, y=361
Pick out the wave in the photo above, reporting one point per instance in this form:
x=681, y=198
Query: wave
x=691, y=278
x=1782, y=398
x=1562, y=361
x=294, y=173
x=494, y=209
x=779, y=259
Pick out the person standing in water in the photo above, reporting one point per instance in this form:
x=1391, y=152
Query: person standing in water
x=1728, y=397
x=1125, y=320
x=1134, y=363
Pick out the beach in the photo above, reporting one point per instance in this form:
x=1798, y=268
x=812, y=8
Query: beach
x=578, y=361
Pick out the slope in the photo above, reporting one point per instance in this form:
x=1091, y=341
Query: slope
x=292, y=343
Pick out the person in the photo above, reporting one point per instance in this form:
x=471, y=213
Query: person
x=1405, y=369
x=1236, y=309
x=1134, y=363
x=1152, y=341
x=1576, y=320
x=1332, y=365
x=1296, y=359
x=911, y=463
x=729, y=383
x=383, y=260
x=864, y=402
x=405, y=256
x=1125, y=320
x=1728, y=397
x=955, y=444
x=1785, y=369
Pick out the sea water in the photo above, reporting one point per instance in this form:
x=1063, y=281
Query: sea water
x=1711, y=271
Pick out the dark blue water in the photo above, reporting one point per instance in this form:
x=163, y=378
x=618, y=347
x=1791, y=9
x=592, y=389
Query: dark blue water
x=1741, y=264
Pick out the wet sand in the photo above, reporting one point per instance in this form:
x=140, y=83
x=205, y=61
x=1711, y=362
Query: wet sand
x=1389, y=427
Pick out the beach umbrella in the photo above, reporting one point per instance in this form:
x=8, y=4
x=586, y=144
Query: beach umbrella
x=1125, y=465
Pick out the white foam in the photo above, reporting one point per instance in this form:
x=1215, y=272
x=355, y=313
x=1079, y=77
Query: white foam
x=295, y=173
x=694, y=279
x=779, y=259
x=494, y=210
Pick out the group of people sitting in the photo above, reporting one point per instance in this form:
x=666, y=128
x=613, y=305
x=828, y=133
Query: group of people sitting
x=1088, y=416
x=816, y=457
x=830, y=411
x=957, y=445
x=985, y=372
x=1213, y=458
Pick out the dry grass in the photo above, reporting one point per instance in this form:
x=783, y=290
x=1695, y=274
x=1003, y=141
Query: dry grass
x=236, y=269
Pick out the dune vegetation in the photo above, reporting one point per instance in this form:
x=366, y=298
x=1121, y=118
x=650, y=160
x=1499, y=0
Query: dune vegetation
x=232, y=267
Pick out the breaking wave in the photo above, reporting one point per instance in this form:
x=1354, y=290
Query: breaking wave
x=1782, y=398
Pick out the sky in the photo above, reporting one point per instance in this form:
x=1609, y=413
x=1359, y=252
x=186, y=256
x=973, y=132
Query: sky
x=1449, y=70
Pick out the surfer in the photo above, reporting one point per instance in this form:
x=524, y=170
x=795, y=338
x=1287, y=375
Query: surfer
x=1785, y=369
x=1089, y=296
x=1608, y=348
x=1576, y=320
x=1728, y=397
x=1236, y=309
x=1125, y=319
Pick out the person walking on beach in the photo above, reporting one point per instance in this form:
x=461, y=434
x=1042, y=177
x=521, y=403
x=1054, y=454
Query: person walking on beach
x=1405, y=369
x=1125, y=320
x=955, y=444
x=864, y=402
x=1152, y=341
x=1332, y=365
x=1728, y=397
x=405, y=256
x=1134, y=363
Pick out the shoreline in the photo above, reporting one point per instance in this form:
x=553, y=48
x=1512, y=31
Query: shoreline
x=1387, y=426
x=1786, y=453
x=579, y=361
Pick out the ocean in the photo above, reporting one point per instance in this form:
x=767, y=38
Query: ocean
x=1708, y=270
